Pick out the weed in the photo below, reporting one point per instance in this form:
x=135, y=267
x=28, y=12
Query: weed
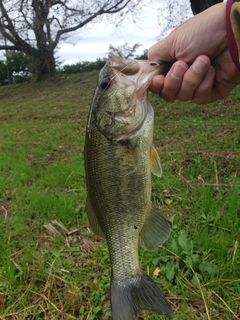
x=53, y=267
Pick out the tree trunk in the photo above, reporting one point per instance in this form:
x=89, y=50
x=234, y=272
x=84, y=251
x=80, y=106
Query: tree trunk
x=45, y=63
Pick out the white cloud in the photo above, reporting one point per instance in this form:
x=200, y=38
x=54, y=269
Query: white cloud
x=93, y=42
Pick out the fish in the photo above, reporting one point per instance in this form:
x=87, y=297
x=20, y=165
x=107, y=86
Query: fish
x=119, y=160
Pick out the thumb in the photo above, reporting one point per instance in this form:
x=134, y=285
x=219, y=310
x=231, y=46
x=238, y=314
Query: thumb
x=161, y=51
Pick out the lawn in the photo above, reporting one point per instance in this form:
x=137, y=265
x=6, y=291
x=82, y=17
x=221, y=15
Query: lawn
x=51, y=264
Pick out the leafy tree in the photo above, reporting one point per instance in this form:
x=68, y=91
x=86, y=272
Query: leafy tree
x=125, y=51
x=143, y=56
x=19, y=66
x=3, y=73
x=84, y=66
x=36, y=27
x=15, y=68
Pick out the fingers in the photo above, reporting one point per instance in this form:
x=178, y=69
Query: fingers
x=182, y=81
x=157, y=84
x=193, y=78
x=196, y=83
x=205, y=92
x=173, y=81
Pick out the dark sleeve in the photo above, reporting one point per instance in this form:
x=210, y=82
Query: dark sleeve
x=233, y=29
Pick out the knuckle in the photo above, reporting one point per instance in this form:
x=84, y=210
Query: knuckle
x=168, y=97
x=184, y=97
x=191, y=82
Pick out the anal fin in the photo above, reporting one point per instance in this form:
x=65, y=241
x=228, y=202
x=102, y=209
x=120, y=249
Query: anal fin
x=93, y=220
x=155, y=231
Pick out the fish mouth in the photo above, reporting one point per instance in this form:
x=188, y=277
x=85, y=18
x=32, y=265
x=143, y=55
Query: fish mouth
x=137, y=72
x=132, y=77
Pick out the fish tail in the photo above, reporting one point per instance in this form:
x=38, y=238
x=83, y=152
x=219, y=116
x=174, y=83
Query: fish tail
x=135, y=294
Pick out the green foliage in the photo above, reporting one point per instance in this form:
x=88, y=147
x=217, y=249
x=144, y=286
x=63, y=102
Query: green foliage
x=48, y=272
x=185, y=256
x=125, y=51
x=3, y=73
x=19, y=65
x=143, y=56
x=16, y=68
x=84, y=66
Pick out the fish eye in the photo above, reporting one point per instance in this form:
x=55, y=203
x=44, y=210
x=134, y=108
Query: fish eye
x=105, y=83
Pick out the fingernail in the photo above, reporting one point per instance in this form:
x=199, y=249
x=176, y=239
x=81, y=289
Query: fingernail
x=200, y=65
x=178, y=71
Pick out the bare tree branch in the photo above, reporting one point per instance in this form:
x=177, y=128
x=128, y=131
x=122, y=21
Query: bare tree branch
x=100, y=12
x=36, y=27
x=8, y=47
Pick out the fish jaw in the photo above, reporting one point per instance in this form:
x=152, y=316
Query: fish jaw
x=122, y=105
x=138, y=73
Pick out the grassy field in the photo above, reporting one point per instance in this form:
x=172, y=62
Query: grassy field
x=53, y=267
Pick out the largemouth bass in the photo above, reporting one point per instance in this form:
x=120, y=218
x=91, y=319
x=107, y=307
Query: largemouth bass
x=119, y=159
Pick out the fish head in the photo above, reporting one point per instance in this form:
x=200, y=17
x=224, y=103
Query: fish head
x=120, y=104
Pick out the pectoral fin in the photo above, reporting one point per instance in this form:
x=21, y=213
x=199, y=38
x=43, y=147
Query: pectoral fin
x=155, y=162
x=155, y=231
x=93, y=220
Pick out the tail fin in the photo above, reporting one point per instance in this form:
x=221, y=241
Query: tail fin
x=136, y=294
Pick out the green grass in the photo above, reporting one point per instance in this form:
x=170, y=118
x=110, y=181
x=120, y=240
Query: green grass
x=52, y=271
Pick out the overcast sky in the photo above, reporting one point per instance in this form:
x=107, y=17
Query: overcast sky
x=93, y=42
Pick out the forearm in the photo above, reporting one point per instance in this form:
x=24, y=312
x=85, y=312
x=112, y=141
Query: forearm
x=233, y=30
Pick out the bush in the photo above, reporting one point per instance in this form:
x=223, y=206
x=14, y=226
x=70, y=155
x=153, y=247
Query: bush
x=83, y=66
x=3, y=73
x=16, y=68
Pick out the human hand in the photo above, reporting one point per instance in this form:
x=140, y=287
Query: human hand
x=202, y=70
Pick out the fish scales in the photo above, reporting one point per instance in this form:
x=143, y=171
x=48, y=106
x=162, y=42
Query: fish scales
x=118, y=149
x=119, y=205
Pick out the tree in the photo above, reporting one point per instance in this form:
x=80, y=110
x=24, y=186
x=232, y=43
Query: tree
x=84, y=66
x=125, y=51
x=171, y=14
x=3, y=73
x=35, y=27
x=17, y=67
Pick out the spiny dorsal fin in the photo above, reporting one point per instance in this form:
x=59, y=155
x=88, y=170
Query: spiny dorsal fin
x=155, y=162
x=155, y=230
